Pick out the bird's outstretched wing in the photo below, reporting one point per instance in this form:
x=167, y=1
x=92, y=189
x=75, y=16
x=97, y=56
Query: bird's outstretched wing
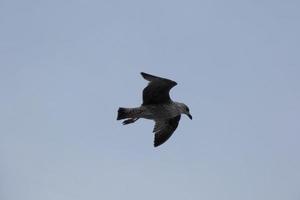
x=163, y=129
x=157, y=91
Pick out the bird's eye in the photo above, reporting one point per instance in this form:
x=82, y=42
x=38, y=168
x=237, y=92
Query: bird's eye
x=187, y=109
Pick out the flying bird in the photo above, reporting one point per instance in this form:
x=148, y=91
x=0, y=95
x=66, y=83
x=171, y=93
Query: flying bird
x=158, y=106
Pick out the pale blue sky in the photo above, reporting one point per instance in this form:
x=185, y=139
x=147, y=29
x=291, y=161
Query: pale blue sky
x=66, y=66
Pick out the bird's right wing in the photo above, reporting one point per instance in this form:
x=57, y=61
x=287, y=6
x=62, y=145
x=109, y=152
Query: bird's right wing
x=157, y=91
x=164, y=129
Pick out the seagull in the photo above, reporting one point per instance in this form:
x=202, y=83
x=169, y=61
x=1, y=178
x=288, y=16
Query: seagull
x=158, y=106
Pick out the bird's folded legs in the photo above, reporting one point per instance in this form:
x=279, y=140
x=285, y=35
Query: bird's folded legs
x=129, y=121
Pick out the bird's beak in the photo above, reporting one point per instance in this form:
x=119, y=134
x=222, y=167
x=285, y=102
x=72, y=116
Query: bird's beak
x=190, y=116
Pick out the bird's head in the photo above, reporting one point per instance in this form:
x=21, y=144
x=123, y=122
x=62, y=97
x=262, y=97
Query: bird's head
x=184, y=109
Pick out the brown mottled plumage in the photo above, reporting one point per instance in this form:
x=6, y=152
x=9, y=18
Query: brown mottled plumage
x=158, y=106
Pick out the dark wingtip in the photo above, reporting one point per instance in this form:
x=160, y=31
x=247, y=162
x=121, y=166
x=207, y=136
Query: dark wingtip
x=150, y=77
x=155, y=144
x=144, y=75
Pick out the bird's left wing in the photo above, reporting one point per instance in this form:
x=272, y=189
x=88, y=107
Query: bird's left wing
x=163, y=129
x=157, y=91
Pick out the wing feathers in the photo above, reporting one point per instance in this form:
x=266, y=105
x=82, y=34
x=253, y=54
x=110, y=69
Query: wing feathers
x=150, y=78
x=164, y=130
x=157, y=91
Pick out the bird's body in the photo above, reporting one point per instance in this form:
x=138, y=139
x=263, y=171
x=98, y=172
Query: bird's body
x=158, y=106
x=154, y=112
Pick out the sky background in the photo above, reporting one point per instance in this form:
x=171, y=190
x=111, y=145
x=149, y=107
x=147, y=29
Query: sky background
x=66, y=67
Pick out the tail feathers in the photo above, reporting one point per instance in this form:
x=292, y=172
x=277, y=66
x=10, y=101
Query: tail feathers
x=122, y=113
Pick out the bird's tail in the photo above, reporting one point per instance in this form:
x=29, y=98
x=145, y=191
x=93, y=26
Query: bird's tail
x=124, y=113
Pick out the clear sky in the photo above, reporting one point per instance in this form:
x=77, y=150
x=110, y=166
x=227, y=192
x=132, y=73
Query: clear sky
x=66, y=67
